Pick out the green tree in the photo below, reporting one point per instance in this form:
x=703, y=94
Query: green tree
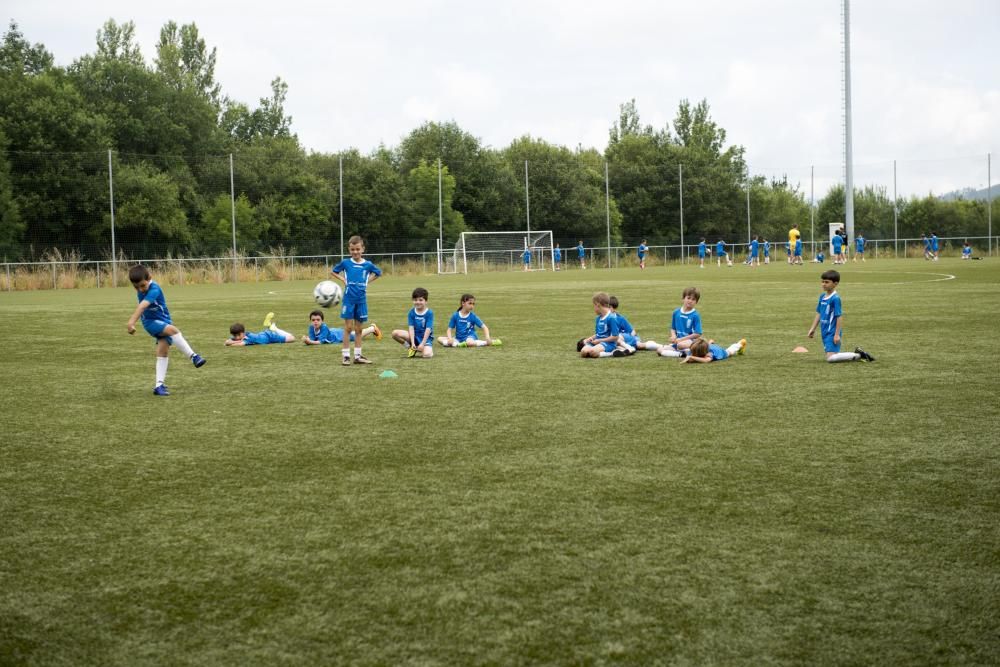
x=148, y=212
x=19, y=56
x=11, y=226
x=433, y=215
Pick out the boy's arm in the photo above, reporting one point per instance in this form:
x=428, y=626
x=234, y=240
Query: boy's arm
x=486, y=333
x=812, y=329
x=412, y=344
x=136, y=314
x=836, y=329
x=309, y=341
x=234, y=343
x=700, y=360
x=337, y=276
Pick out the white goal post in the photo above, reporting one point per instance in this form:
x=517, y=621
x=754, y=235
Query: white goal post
x=503, y=249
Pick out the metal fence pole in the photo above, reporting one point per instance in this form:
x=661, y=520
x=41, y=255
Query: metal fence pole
x=111, y=197
x=989, y=205
x=607, y=203
x=232, y=200
x=895, y=216
x=680, y=185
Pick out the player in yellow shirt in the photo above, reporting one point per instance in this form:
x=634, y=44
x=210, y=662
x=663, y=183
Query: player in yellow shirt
x=793, y=235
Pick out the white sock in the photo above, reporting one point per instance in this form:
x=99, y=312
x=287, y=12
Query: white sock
x=650, y=345
x=667, y=351
x=843, y=356
x=346, y=351
x=357, y=349
x=281, y=332
x=161, y=370
x=480, y=343
x=444, y=341
x=733, y=349
x=182, y=344
x=605, y=354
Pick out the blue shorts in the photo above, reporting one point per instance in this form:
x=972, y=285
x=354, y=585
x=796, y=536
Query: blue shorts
x=798, y=252
x=470, y=336
x=354, y=311
x=155, y=327
x=753, y=255
x=701, y=254
x=608, y=347
x=631, y=340
x=829, y=345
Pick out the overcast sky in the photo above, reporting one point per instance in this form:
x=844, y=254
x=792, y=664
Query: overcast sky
x=926, y=75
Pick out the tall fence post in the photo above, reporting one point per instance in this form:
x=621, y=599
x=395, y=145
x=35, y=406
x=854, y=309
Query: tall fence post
x=607, y=204
x=680, y=185
x=232, y=200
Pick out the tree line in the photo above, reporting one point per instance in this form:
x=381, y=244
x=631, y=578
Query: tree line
x=171, y=130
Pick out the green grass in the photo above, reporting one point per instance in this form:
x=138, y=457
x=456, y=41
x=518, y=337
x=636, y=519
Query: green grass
x=512, y=505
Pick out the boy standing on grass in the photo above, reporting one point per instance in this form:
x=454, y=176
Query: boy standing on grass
x=557, y=256
x=152, y=309
x=793, y=236
x=701, y=253
x=580, y=254
x=320, y=334
x=271, y=334
x=643, y=249
x=720, y=252
x=419, y=338
x=829, y=315
x=358, y=273
x=604, y=342
x=859, y=247
x=526, y=258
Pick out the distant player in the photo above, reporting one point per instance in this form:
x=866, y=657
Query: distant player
x=754, y=257
x=844, y=245
x=152, y=310
x=927, y=246
x=604, y=342
x=720, y=252
x=701, y=253
x=966, y=251
x=934, y=246
x=320, y=334
x=797, y=252
x=462, y=327
x=271, y=334
x=419, y=337
x=580, y=255
x=859, y=248
x=793, y=237
x=838, y=246
x=358, y=273
x=643, y=249
x=705, y=351
x=557, y=256
x=829, y=317
x=767, y=251
x=526, y=259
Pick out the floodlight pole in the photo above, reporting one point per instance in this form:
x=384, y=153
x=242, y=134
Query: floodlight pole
x=680, y=187
x=232, y=208
x=989, y=205
x=607, y=208
x=440, y=209
x=527, y=199
x=748, y=211
x=848, y=149
x=111, y=196
x=895, y=214
x=340, y=162
x=812, y=209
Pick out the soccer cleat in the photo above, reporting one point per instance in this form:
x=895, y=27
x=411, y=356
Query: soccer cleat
x=197, y=360
x=362, y=359
x=160, y=390
x=378, y=332
x=346, y=361
x=410, y=352
x=268, y=319
x=497, y=341
x=618, y=353
x=864, y=355
x=743, y=346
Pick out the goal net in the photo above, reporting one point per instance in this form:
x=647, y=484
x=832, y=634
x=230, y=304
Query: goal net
x=504, y=251
x=447, y=260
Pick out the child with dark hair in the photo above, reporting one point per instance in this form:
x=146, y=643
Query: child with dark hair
x=419, y=337
x=829, y=315
x=269, y=335
x=320, y=334
x=462, y=327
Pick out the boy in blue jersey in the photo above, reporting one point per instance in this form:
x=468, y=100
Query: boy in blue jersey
x=829, y=316
x=701, y=253
x=720, y=252
x=685, y=324
x=580, y=254
x=705, y=351
x=152, y=310
x=966, y=251
x=557, y=256
x=358, y=273
x=643, y=249
x=927, y=246
x=419, y=336
x=320, y=334
x=270, y=335
x=838, y=246
x=628, y=339
x=526, y=259
x=767, y=251
x=604, y=342
x=797, y=252
x=859, y=247
x=754, y=257
x=462, y=327
x=934, y=246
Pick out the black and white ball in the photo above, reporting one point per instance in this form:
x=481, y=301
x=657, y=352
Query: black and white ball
x=328, y=293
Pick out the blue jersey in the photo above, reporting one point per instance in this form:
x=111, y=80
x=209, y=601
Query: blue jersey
x=829, y=310
x=326, y=334
x=263, y=338
x=464, y=326
x=356, y=275
x=421, y=322
x=966, y=251
x=557, y=255
x=754, y=248
x=157, y=309
x=701, y=250
x=720, y=248
x=798, y=247
x=643, y=249
x=767, y=248
x=838, y=244
x=624, y=326
x=859, y=243
x=579, y=250
x=934, y=242
x=606, y=326
x=685, y=323
x=717, y=353
x=526, y=256
x=927, y=243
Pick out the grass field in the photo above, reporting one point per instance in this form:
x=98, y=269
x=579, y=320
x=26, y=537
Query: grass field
x=512, y=505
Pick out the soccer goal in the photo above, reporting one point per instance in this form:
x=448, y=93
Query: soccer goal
x=447, y=260
x=504, y=251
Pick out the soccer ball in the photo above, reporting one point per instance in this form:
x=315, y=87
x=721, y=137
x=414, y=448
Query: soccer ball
x=328, y=293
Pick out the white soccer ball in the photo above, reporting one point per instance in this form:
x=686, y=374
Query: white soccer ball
x=328, y=293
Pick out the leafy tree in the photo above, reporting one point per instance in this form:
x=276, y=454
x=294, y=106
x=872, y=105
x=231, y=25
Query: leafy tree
x=148, y=210
x=18, y=56
x=11, y=226
x=185, y=64
x=432, y=215
x=268, y=120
